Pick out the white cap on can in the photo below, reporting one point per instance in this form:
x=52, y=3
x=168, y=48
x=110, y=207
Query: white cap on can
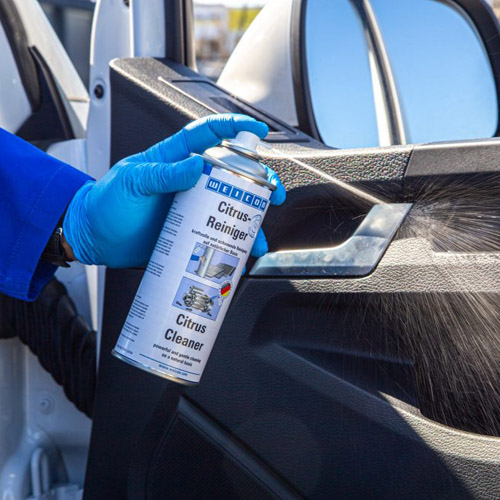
x=247, y=140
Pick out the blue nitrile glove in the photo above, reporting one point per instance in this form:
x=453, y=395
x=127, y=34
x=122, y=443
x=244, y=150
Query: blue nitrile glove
x=116, y=221
x=278, y=196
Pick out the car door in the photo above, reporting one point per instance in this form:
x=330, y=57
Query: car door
x=359, y=358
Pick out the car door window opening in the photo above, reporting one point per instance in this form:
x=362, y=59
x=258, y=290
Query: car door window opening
x=386, y=72
x=339, y=76
x=441, y=69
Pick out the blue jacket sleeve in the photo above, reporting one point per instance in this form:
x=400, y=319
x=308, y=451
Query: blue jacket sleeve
x=35, y=189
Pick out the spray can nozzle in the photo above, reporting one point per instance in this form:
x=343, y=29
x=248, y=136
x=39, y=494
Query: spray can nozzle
x=240, y=156
x=244, y=143
x=247, y=140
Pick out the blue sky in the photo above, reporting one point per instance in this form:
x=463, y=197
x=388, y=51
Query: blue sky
x=443, y=75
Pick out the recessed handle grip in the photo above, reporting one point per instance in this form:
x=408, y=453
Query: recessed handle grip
x=358, y=256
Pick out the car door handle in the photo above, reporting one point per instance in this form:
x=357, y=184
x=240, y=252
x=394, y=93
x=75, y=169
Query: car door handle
x=358, y=256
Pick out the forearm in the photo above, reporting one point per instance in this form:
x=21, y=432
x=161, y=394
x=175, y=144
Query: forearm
x=113, y=222
x=35, y=189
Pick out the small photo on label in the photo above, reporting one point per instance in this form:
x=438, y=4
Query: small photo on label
x=255, y=223
x=198, y=298
x=210, y=264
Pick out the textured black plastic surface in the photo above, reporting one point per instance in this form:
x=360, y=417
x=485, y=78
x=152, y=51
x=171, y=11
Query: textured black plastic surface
x=322, y=380
x=451, y=164
x=211, y=473
x=132, y=408
x=218, y=466
x=162, y=109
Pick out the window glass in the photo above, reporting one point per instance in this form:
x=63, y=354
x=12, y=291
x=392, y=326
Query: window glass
x=218, y=27
x=339, y=74
x=442, y=72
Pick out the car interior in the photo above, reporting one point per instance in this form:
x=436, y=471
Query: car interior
x=372, y=379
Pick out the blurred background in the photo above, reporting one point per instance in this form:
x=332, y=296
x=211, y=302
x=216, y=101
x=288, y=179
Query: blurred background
x=219, y=25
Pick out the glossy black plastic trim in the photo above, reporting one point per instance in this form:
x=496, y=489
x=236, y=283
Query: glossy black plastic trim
x=57, y=100
x=300, y=77
x=74, y=4
x=18, y=41
x=179, y=31
x=190, y=48
x=484, y=19
x=375, y=44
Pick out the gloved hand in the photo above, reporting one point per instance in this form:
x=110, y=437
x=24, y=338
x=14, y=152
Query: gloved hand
x=116, y=221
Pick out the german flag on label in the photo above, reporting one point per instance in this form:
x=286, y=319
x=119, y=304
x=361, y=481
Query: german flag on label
x=225, y=289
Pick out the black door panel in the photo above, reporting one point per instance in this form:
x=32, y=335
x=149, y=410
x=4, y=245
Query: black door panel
x=322, y=388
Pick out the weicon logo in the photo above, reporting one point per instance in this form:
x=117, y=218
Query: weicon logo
x=225, y=188
x=213, y=184
x=236, y=193
x=248, y=198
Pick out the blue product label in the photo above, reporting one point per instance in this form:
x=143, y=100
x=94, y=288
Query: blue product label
x=236, y=193
x=192, y=274
x=248, y=198
x=225, y=188
x=213, y=184
x=207, y=168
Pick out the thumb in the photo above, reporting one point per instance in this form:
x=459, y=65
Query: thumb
x=154, y=178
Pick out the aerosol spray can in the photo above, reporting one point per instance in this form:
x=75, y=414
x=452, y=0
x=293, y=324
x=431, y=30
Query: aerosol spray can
x=196, y=265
